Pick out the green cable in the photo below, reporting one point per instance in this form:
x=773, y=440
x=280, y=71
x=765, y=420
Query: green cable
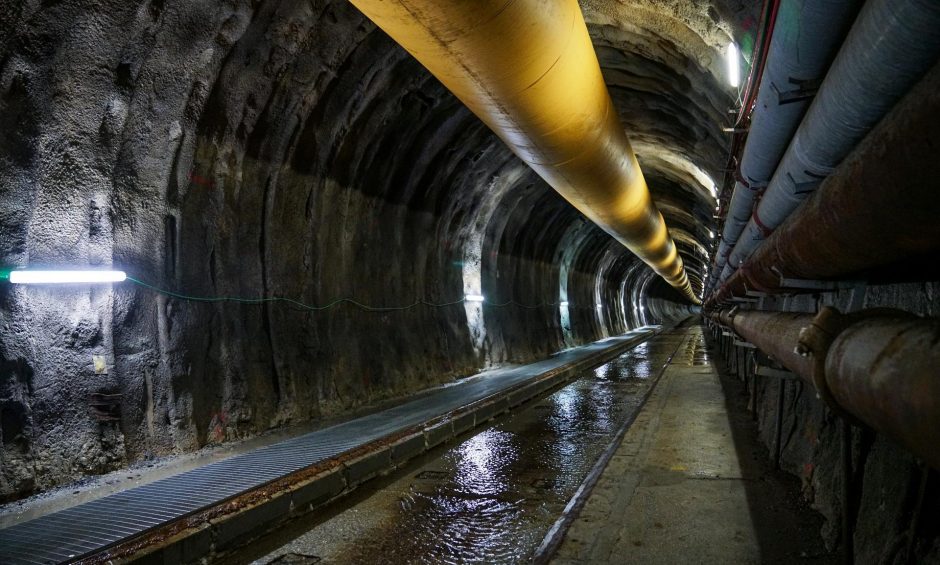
x=290, y=300
x=299, y=304
x=521, y=305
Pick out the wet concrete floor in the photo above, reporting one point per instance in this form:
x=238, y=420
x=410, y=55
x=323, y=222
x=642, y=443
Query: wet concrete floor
x=489, y=497
x=690, y=483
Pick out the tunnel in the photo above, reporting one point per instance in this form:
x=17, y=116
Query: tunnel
x=469, y=281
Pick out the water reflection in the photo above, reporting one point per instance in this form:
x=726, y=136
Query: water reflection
x=468, y=517
x=482, y=462
x=565, y=402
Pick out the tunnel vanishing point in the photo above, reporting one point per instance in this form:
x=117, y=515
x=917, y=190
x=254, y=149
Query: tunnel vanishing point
x=470, y=281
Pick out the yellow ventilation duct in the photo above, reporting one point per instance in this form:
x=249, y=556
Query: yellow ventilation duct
x=528, y=69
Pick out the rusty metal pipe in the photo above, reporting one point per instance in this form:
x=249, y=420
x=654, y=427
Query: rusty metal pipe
x=879, y=368
x=879, y=207
x=527, y=68
x=885, y=372
x=776, y=334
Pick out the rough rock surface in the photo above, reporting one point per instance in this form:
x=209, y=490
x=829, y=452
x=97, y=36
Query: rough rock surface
x=265, y=148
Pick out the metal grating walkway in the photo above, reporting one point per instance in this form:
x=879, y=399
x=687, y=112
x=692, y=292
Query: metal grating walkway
x=93, y=526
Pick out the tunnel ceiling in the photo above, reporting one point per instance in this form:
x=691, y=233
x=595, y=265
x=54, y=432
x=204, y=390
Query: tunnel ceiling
x=391, y=122
x=291, y=148
x=662, y=63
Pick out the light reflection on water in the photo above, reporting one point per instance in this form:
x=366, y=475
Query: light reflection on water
x=477, y=507
x=565, y=402
x=482, y=462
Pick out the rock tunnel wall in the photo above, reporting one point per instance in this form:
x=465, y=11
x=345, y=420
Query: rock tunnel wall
x=246, y=149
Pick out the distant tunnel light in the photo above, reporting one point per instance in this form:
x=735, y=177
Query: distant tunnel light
x=734, y=65
x=59, y=277
x=473, y=298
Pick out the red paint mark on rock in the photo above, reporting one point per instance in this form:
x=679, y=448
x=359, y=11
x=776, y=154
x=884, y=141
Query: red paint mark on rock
x=200, y=180
x=217, y=427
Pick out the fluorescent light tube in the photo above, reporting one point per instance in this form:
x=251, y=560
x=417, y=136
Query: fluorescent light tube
x=734, y=65
x=59, y=277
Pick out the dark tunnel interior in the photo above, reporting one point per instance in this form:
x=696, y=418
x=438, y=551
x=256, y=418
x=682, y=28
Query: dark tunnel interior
x=313, y=225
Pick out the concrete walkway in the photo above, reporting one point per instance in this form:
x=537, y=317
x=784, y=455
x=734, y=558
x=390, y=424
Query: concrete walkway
x=676, y=490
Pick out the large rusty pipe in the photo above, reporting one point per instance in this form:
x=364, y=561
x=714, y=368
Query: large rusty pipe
x=527, y=68
x=776, y=334
x=886, y=372
x=880, y=206
x=879, y=368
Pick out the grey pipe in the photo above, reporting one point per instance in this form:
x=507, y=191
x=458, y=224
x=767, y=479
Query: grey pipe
x=805, y=39
x=892, y=44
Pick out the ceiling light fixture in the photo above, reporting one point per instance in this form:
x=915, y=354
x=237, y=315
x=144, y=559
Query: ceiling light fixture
x=734, y=65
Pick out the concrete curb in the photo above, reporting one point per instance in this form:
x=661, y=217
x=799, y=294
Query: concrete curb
x=222, y=528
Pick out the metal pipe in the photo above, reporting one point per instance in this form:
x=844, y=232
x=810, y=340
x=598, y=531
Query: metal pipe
x=806, y=36
x=877, y=367
x=892, y=44
x=843, y=228
x=527, y=68
x=751, y=380
x=776, y=334
x=884, y=372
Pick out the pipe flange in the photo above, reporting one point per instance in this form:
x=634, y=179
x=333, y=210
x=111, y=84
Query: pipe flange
x=815, y=340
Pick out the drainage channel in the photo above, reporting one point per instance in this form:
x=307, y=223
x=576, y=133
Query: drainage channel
x=491, y=497
x=221, y=505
